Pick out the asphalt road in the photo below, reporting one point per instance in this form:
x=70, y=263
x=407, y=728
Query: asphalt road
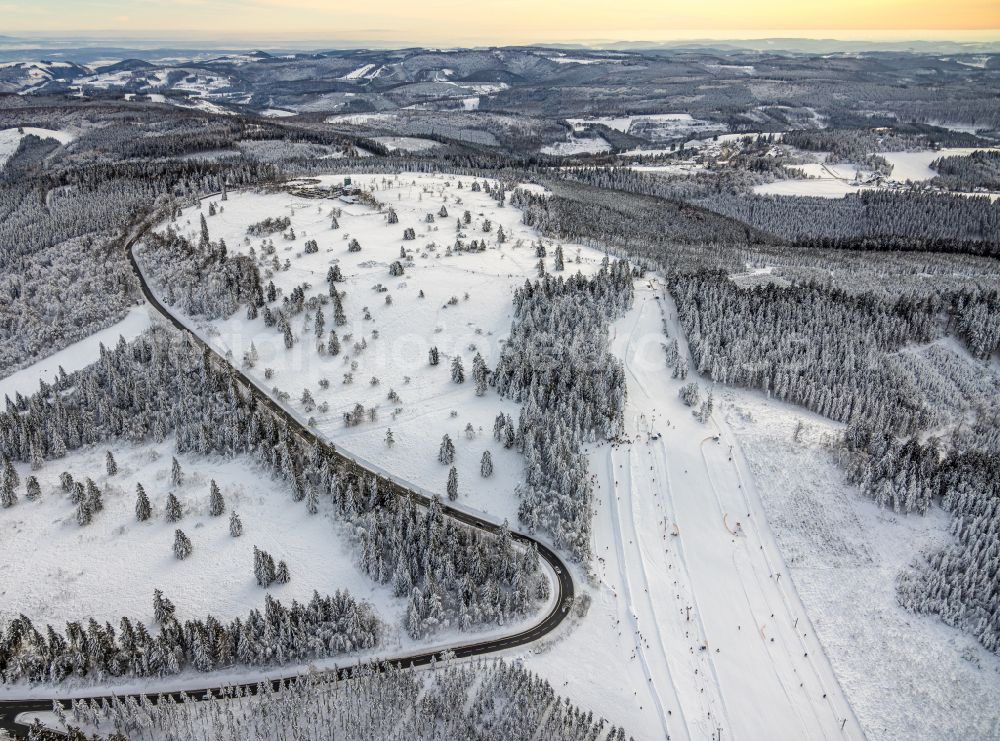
x=10, y=709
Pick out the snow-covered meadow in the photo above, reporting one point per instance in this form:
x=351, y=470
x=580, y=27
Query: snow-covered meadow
x=54, y=570
x=830, y=180
x=465, y=309
x=10, y=139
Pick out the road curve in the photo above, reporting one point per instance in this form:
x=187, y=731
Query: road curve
x=10, y=709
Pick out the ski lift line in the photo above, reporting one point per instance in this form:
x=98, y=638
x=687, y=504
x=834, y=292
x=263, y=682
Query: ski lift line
x=782, y=593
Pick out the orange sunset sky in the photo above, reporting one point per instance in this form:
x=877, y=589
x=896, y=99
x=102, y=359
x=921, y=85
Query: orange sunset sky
x=455, y=22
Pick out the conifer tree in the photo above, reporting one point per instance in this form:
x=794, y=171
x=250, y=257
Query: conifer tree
x=446, y=454
x=281, y=575
x=176, y=475
x=433, y=356
x=182, y=545
x=453, y=484
x=84, y=514
x=235, y=525
x=319, y=322
x=203, y=240
x=94, y=500
x=10, y=477
x=499, y=425
x=480, y=374
x=33, y=489
x=143, y=510
x=457, y=370
x=216, y=504
x=163, y=608
x=486, y=465
x=263, y=567
x=110, y=464
x=8, y=497
x=173, y=509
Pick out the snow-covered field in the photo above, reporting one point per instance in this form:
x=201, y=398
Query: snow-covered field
x=430, y=405
x=11, y=138
x=837, y=180
x=361, y=119
x=276, y=113
x=577, y=145
x=826, y=170
x=829, y=180
x=74, y=357
x=53, y=570
x=407, y=143
x=825, y=188
x=916, y=166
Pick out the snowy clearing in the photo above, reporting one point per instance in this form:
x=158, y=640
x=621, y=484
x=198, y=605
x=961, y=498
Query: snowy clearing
x=577, y=60
x=577, y=145
x=76, y=356
x=916, y=166
x=827, y=188
x=277, y=113
x=10, y=139
x=406, y=329
x=110, y=567
x=360, y=119
x=406, y=143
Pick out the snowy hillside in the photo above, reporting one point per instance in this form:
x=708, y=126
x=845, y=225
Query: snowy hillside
x=465, y=309
x=11, y=138
x=662, y=615
x=110, y=567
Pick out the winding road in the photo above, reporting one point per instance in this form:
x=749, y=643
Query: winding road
x=10, y=709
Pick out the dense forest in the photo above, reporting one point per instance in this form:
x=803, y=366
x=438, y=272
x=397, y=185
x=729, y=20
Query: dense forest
x=477, y=701
x=557, y=364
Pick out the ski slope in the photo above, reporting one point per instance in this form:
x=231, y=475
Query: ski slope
x=715, y=641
